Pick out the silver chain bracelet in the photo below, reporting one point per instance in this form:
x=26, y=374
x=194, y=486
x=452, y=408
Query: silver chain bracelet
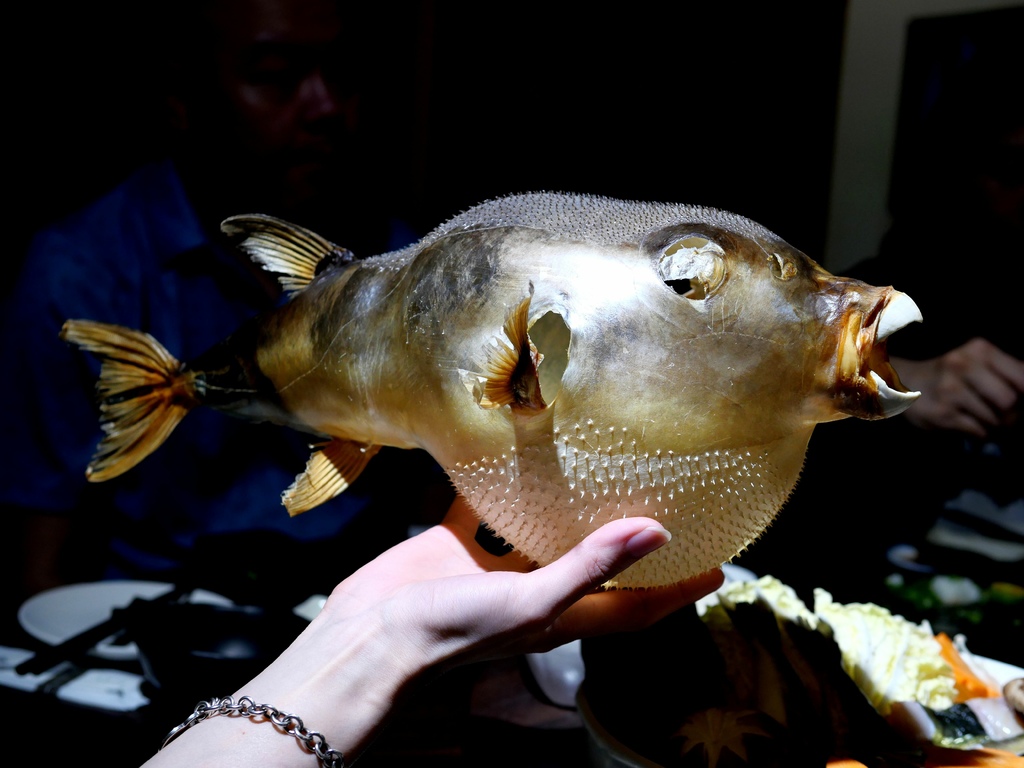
x=246, y=707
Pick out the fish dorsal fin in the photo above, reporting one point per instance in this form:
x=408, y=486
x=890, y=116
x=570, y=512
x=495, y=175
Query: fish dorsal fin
x=294, y=253
x=510, y=375
x=332, y=468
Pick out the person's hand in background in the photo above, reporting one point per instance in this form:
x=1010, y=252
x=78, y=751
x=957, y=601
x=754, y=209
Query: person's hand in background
x=974, y=389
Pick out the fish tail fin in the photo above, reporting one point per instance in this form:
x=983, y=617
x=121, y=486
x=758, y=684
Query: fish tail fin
x=143, y=392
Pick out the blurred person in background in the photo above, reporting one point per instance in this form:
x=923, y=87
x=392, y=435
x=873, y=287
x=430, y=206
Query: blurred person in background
x=268, y=101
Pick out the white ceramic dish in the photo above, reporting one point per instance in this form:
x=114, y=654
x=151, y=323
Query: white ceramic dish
x=57, y=614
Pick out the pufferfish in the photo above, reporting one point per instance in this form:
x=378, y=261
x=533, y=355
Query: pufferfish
x=567, y=359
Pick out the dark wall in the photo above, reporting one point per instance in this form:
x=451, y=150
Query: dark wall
x=724, y=104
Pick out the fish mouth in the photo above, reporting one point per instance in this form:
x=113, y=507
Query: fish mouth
x=868, y=385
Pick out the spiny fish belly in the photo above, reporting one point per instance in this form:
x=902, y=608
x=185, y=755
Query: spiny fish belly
x=544, y=498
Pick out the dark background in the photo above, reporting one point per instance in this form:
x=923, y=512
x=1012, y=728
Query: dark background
x=725, y=104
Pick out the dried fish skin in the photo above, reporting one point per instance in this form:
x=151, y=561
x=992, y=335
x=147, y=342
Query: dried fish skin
x=568, y=359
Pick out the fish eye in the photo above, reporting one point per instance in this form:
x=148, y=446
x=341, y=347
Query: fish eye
x=693, y=267
x=781, y=269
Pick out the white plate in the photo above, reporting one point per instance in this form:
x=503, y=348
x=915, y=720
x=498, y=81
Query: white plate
x=57, y=614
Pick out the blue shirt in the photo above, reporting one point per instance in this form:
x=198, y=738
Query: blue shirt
x=139, y=257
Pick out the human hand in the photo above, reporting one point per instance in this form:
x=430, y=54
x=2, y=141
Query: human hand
x=434, y=601
x=975, y=389
x=485, y=605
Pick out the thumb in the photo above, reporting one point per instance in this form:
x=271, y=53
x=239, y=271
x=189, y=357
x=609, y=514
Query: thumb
x=605, y=553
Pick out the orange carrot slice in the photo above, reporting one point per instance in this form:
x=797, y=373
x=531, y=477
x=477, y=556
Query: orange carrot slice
x=968, y=684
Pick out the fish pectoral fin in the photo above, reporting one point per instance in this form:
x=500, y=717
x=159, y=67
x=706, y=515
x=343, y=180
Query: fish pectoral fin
x=332, y=468
x=294, y=253
x=510, y=373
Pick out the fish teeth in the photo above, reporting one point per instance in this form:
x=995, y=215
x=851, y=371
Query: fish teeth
x=893, y=401
x=899, y=312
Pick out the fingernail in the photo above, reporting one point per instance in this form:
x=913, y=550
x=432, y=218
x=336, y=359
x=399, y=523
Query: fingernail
x=648, y=540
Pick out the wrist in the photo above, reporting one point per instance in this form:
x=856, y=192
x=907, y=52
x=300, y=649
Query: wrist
x=342, y=676
x=287, y=723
